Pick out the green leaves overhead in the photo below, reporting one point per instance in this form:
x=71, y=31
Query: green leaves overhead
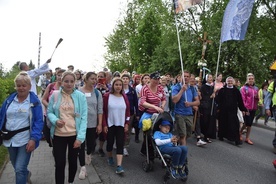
x=145, y=39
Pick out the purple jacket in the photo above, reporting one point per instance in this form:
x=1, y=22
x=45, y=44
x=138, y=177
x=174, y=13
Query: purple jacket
x=250, y=97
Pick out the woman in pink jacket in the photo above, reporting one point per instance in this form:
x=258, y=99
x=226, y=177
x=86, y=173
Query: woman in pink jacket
x=250, y=99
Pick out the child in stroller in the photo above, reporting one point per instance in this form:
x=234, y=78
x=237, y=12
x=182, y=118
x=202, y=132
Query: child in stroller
x=167, y=144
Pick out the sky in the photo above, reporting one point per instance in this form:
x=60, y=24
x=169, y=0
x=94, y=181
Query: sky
x=82, y=24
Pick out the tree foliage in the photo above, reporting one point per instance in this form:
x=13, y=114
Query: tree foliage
x=145, y=39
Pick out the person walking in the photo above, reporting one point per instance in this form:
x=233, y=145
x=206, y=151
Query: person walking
x=103, y=87
x=196, y=114
x=116, y=115
x=270, y=100
x=229, y=99
x=134, y=112
x=207, y=110
x=262, y=94
x=94, y=120
x=21, y=117
x=185, y=97
x=152, y=101
x=45, y=101
x=67, y=111
x=250, y=98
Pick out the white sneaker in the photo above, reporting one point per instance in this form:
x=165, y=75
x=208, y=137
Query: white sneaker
x=133, y=131
x=125, y=152
x=88, y=159
x=201, y=143
x=83, y=173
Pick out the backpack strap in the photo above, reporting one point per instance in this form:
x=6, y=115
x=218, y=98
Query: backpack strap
x=97, y=93
x=55, y=93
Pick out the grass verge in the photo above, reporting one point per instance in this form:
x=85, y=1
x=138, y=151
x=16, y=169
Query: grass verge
x=3, y=157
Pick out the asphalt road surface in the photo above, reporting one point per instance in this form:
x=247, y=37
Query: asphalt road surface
x=216, y=163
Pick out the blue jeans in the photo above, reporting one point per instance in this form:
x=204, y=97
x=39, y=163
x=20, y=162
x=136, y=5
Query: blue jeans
x=20, y=161
x=178, y=154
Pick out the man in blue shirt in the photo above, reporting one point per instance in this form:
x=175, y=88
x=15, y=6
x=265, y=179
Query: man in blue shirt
x=184, y=97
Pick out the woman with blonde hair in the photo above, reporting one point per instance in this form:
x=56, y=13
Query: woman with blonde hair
x=21, y=118
x=250, y=98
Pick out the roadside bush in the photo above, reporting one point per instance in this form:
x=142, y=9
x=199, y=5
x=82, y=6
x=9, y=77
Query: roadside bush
x=7, y=88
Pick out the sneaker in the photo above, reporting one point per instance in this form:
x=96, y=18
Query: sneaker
x=201, y=143
x=207, y=140
x=88, y=159
x=110, y=161
x=120, y=170
x=29, y=178
x=174, y=173
x=125, y=152
x=83, y=173
x=133, y=131
x=182, y=173
x=101, y=153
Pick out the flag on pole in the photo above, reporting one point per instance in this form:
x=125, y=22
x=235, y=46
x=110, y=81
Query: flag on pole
x=235, y=20
x=182, y=5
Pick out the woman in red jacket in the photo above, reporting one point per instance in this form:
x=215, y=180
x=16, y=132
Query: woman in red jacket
x=116, y=115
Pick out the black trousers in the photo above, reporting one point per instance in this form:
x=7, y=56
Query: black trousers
x=60, y=145
x=118, y=133
x=90, y=142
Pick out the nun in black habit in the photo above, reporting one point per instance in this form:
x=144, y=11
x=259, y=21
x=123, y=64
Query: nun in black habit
x=207, y=109
x=228, y=101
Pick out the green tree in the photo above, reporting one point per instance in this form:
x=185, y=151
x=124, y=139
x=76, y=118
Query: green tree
x=146, y=39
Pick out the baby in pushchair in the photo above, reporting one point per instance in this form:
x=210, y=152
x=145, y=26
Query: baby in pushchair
x=167, y=145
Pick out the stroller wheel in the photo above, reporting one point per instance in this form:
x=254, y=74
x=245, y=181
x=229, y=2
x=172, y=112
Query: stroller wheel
x=146, y=166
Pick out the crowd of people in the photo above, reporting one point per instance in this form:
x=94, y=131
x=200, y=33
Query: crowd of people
x=85, y=110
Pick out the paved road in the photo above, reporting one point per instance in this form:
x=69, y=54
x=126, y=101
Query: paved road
x=217, y=163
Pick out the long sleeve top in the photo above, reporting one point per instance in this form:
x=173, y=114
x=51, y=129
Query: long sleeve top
x=80, y=108
x=34, y=120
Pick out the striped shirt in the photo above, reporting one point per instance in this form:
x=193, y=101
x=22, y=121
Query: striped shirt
x=152, y=98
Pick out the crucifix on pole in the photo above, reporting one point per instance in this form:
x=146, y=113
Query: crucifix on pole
x=204, y=44
x=202, y=61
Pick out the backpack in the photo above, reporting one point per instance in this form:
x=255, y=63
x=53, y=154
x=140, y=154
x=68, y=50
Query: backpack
x=56, y=93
